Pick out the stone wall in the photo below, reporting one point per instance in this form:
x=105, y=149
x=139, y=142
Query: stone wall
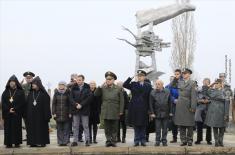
x=122, y=151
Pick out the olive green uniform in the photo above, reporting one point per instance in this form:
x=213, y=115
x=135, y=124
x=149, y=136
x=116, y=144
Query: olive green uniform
x=112, y=106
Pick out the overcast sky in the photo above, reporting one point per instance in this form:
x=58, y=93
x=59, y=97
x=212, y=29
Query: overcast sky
x=55, y=38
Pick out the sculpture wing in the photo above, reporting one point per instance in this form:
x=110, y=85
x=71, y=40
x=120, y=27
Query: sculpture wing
x=162, y=14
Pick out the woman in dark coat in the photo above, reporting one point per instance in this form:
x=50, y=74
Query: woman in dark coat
x=61, y=110
x=13, y=101
x=95, y=109
x=38, y=115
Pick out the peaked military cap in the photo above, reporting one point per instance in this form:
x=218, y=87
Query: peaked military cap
x=187, y=70
x=141, y=72
x=28, y=74
x=109, y=73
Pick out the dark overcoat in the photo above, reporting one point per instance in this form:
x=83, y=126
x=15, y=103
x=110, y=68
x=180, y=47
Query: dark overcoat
x=139, y=104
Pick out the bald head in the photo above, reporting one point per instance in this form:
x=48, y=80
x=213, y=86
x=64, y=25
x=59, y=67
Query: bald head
x=159, y=84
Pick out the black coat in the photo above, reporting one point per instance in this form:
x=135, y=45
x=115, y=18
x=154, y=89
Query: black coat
x=13, y=122
x=82, y=97
x=123, y=118
x=61, y=106
x=126, y=101
x=38, y=116
x=139, y=104
x=95, y=109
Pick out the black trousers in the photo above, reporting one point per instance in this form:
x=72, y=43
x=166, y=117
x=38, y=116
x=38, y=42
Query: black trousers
x=122, y=124
x=174, y=127
x=200, y=132
x=174, y=131
x=93, y=128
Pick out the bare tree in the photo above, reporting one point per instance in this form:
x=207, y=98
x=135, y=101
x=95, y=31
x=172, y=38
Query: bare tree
x=184, y=40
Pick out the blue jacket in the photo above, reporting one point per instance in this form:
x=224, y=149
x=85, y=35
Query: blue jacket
x=173, y=91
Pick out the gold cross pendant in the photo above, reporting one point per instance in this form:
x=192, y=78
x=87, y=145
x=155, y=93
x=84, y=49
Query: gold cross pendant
x=11, y=100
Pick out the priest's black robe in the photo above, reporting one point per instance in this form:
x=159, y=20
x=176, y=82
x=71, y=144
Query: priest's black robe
x=13, y=121
x=38, y=116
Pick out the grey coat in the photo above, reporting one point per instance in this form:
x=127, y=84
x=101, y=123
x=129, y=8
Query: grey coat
x=160, y=103
x=186, y=105
x=201, y=109
x=218, y=109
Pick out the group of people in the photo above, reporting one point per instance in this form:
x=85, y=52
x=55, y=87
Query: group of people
x=194, y=107
x=181, y=106
x=31, y=102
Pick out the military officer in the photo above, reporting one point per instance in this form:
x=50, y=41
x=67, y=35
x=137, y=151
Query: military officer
x=185, y=108
x=111, y=108
x=28, y=77
x=139, y=106
x=218, y=111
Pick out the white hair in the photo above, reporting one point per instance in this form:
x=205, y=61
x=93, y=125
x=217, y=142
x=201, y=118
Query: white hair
x=160, y=81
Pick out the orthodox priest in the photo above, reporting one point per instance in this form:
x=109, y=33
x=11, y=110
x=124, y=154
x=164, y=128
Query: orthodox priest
x=38, y=115
x=13, y=101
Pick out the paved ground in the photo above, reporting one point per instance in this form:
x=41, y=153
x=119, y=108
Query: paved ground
x=126, y=148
